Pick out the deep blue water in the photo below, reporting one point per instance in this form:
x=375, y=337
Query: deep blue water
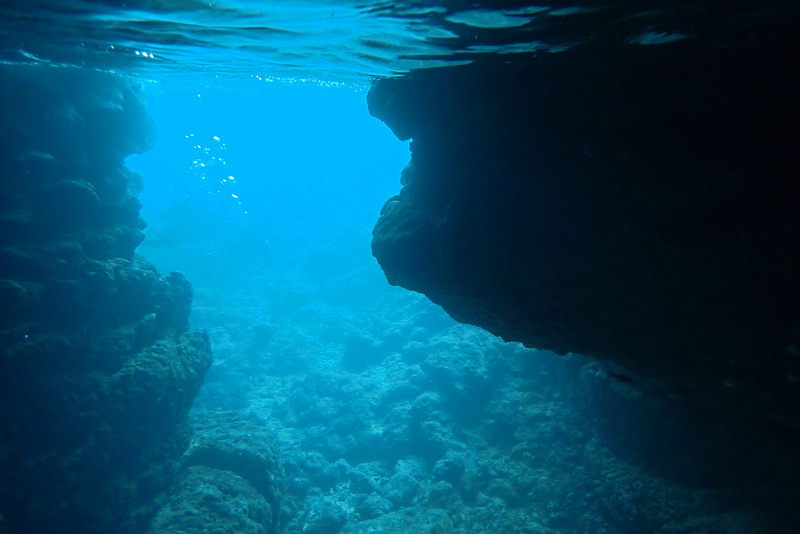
x=262, y=188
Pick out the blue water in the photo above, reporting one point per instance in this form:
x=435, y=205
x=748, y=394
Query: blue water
x=264, y=193
x=262, y=189
x=270, y=164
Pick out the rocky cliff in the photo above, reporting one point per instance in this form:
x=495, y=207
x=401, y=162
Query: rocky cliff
x=98, y=367
x=633, y=203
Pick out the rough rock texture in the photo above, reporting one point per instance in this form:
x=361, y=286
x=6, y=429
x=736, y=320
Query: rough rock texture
x=625, y=202
x=420, y=520
x=404, y=444
x=212, y=500
x=233, y=453
x=98, y=368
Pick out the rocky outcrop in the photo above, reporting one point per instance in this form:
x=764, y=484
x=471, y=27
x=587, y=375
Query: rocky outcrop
x=98, y=367
x=231, y=480
x=625, y=202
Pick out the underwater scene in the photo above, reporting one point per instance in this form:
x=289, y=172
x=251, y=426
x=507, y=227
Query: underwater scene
x=322, y=267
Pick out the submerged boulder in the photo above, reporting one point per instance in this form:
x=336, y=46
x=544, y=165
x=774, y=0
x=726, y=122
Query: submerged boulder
x=211, y=500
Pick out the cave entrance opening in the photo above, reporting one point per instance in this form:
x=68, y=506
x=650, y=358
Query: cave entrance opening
x=257, y=183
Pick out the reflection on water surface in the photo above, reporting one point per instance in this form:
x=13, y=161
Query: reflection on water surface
x=350, y=40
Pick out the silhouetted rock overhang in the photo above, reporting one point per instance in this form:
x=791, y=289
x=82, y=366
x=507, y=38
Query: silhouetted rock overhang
x=635, y=203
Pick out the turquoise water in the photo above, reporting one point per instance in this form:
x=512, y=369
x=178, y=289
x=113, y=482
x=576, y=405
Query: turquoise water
x=262, y=189
x=267, y=180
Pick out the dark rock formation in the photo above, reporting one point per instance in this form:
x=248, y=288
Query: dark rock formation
x=636, y=203
x=98, y=368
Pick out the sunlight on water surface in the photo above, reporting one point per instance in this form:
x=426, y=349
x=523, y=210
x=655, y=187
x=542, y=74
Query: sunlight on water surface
x=342, y=40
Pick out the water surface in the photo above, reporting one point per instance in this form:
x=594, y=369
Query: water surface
x=348, y=40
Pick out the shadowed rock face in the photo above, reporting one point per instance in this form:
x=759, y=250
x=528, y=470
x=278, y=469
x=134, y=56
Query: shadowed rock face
x=631, y=203
x=98, y=367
